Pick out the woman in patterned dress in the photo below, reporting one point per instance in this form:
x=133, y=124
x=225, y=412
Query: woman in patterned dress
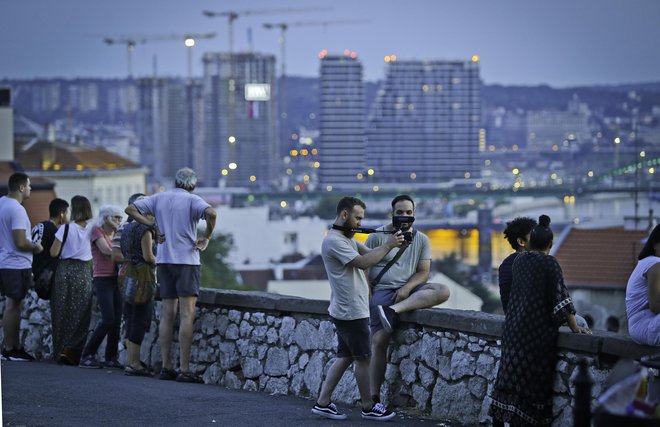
x=539, y=303
x=71, y=298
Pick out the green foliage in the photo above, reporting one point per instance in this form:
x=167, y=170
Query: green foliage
x=216, y=273
x=452, y=268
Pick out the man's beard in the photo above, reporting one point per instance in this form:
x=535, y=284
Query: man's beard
x=347, y=233
x=404, y=227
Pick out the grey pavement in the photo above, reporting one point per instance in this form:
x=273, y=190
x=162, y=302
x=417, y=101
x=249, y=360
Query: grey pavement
x=47, y=394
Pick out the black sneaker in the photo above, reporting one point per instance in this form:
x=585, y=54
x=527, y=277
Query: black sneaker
x=16, y=355
x=378, y=412
x=113, y=363
x=386, y=316
x=329, y=411
x=167, y=374
x=89, y=362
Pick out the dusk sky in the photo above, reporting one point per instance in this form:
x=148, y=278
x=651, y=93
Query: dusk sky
x=520, y=42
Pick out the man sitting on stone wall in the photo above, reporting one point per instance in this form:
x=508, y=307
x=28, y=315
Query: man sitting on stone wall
x=398, y=287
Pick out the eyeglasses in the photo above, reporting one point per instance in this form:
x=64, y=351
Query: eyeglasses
x=117, y=218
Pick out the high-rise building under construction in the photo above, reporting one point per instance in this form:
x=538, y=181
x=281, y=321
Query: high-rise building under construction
x=241, y=144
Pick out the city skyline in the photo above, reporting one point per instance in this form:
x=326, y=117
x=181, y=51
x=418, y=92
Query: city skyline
x=520, y=43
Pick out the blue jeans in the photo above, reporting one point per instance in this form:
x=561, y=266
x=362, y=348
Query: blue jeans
x=110, y=304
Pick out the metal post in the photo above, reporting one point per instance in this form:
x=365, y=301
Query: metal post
x=583, y=383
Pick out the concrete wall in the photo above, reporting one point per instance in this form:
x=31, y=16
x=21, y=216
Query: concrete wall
x=441, y=361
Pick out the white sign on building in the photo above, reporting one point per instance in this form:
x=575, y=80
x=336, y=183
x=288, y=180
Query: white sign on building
x=257, y=92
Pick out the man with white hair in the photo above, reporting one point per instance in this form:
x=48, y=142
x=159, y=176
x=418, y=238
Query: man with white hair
x=177, y=213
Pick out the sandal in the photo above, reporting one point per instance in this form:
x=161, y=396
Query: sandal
x=189, y=377
x=136, y=372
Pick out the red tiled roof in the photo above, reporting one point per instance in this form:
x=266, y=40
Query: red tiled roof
x=602, y=257
x=44, y=155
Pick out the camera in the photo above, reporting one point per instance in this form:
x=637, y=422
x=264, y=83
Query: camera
x=403, y=224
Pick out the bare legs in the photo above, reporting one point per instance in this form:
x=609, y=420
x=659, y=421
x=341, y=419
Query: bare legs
x=166, y=326
x=432, y=294
x=168, y=313
x=335, y=373
x=187, y=307
x=11, y=321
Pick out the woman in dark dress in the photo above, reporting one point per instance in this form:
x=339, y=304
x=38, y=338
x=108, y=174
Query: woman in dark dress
x=539, y=303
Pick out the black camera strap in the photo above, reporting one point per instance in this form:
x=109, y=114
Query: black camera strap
x=392, y=261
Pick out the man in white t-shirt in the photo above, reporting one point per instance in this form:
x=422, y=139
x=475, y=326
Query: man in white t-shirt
x=345, y=260
x=16, y=249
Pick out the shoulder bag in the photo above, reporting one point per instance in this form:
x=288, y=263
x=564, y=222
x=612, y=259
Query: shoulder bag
x=43, y=285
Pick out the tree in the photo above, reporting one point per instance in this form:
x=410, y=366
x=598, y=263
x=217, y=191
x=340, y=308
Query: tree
x=216, y=273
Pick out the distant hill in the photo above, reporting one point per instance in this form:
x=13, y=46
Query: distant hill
x=605, y=98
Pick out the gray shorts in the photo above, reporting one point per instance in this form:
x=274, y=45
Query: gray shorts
x=15, y=284
x=384, y=297
x=178, y=280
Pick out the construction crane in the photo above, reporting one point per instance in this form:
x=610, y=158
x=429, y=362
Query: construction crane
x=232, y=15
x=284, y=26
x=131, y=41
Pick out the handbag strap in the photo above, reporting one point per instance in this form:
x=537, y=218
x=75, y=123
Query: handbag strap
x=391, y=263
x=66, y=233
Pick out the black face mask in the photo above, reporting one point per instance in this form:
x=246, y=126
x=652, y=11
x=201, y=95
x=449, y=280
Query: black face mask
x=401, y=222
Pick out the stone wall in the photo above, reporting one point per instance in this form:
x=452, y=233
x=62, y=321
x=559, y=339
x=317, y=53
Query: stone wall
x=441, y=362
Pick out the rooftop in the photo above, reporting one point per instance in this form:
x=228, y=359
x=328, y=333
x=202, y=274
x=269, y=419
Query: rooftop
x=599, y=257
x=43, y=155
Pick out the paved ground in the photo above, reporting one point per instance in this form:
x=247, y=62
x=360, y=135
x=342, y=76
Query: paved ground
x=46, y=394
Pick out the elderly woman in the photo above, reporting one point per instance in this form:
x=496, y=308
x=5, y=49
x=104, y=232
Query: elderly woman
x=539, y=303
x=643, y=293
x=71, y=298
x=106, y=290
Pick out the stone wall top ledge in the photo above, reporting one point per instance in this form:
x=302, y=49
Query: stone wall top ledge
x=469, y=322
x=261, y=301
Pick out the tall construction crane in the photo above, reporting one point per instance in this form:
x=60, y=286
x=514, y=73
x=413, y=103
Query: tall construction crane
x=131, y=41
x=284, y=26
x=232, y=15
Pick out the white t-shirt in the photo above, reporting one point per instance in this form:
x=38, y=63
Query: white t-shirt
x=13, y=217
x=349, y=299
x=77, y=245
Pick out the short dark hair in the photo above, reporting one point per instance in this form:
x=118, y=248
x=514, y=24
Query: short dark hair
x=347, y=203
x=400, y=197
x=541, y=236
x=134, y=197
x=81, y=209
x=132, y=200
x=16, y=180
x=653, y=239
x=57, y=206
x=518, y=228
